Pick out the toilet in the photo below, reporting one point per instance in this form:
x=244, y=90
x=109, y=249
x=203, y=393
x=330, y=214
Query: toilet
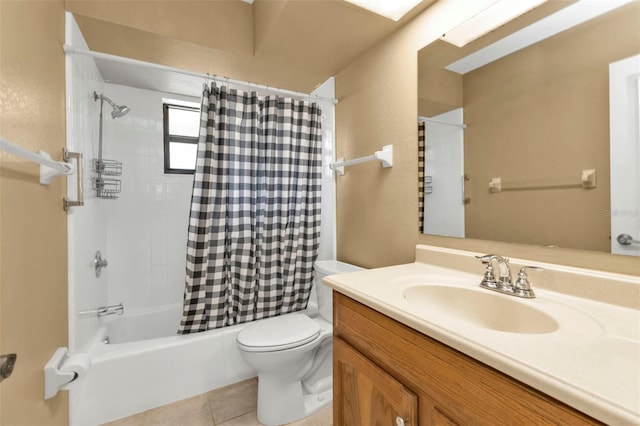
x=292, y=354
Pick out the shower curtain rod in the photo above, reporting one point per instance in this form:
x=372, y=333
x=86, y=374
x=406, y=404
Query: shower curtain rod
x=429, y=120
x=68, y=49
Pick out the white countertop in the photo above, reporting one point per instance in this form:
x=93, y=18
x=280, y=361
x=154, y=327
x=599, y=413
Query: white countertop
x=591, y=362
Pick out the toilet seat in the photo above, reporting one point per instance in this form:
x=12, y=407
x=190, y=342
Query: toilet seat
x=278, y=333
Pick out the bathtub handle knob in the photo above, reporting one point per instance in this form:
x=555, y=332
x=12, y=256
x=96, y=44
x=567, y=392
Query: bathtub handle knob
x=99, y=263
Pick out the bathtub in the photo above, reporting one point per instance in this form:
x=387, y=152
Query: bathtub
x=146, y=365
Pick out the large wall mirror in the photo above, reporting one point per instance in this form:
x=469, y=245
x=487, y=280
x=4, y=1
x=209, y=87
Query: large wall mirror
x=531, y=135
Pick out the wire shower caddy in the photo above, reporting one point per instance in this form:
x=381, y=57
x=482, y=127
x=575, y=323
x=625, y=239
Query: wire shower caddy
x=107, y=188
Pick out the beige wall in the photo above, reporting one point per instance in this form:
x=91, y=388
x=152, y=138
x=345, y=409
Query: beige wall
x=116, y=39
x=289, y=35
x=439, y=92
x=33, y=250
x=179, y=19
x=377, y=215
x=377, y=209
x=542, y=115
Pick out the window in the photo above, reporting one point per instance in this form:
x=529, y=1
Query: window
x=181, y=128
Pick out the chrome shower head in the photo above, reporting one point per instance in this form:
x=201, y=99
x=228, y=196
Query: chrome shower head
x=118, y=110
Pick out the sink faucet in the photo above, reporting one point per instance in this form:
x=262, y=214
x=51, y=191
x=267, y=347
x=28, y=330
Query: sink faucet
x=504, y=283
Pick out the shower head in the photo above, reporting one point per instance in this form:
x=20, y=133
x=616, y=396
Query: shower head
x=118, y=110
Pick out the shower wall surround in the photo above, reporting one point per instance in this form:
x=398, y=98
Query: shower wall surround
x=147, y=224
x=327, y=249
x=142, y=234
x=86, y=229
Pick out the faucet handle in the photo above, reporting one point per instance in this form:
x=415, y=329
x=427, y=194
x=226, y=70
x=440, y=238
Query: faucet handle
x=489, y=278
x=522, y=286
x=488, y=258
x=503, y=268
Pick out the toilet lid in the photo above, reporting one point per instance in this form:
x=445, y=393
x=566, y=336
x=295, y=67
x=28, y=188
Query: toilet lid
x=278, y=333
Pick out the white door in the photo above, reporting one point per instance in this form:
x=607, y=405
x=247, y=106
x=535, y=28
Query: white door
x=444, y=172
x=624, y=119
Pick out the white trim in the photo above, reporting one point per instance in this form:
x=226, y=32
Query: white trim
x=624, y=115
x=429, y=120
x=300, y=95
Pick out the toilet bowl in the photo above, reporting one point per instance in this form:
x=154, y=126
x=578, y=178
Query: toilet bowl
x=292, y=354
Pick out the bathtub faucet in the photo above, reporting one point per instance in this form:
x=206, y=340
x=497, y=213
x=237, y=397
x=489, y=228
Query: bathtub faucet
x=111, y=310
x=103, y=311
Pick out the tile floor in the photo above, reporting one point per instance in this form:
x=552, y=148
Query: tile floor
x=233, y=405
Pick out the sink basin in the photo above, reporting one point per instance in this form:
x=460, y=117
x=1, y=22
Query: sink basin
x=481, y=308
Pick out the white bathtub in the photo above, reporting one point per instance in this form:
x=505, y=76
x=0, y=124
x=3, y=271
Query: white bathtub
x=147, y=365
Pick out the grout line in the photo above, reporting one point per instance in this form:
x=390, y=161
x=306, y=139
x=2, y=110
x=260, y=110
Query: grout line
x=213, y=419
x=242, y=415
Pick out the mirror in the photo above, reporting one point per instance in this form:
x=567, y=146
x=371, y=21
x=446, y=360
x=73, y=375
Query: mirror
x=536, y=123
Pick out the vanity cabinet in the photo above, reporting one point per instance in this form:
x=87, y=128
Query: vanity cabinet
x=368, y=394
x=386, y=373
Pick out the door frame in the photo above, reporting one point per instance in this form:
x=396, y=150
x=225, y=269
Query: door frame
x=624, y=124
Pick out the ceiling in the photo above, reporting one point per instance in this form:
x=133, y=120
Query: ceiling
x=315, y=38
x=441, y=65
x=440, y=53
x=325, y=34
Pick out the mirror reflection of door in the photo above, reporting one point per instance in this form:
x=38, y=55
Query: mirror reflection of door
x=624, y=110
x=444, y=174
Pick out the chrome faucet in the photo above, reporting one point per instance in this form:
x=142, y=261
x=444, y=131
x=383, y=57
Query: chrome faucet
x=111, y=310
x=504, y=283
x=103, y=311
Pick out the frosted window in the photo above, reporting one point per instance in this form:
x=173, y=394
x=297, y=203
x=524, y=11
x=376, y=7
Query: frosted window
x=181, y=128
x=182, y=155
x=184, y=122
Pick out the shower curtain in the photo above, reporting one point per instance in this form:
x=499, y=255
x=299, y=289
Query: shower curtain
x=254, y=224
x=421, y=131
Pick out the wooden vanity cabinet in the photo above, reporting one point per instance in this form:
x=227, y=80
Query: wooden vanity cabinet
x=368, y=394
x=385, y=373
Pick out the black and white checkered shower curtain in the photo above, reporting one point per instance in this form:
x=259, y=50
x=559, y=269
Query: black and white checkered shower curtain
x=254, y=225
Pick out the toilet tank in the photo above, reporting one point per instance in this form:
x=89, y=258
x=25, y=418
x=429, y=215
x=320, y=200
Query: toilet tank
x=322, y=269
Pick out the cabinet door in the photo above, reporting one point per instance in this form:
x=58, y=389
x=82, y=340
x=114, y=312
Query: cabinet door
x=438, y=418
x=364, y=394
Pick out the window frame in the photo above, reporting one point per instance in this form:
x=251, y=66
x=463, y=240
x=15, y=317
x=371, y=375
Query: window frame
x=168, y=138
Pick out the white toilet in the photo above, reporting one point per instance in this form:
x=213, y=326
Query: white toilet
x=293, y=356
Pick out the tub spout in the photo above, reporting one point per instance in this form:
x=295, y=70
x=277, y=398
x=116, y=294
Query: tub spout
x=103, y=311
x=111, y=310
